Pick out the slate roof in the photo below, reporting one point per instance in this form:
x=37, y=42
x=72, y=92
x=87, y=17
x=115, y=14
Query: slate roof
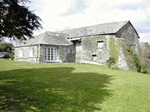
x=60, y=38
x=50, y=38
x=105, y=28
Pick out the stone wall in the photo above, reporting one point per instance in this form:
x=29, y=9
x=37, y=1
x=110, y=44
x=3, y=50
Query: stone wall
x=42, y=54
x=130, y=35
x=90, y=52
x=123, y=57
x=87, y=51
x=26, y=56
x=64, y=53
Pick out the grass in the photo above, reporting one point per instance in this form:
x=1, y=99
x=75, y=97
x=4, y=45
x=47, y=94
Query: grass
x=26, y=87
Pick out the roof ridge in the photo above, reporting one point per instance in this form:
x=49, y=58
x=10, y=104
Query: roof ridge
x=95, y=25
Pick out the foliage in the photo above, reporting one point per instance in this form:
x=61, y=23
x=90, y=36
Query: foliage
x=144, y=52
x=12, y=57
x=128, y=48
x=16, y=20
x=6, y=47
x=111, y=62
x=143, y=70
x=136, y=61
x=114, y=53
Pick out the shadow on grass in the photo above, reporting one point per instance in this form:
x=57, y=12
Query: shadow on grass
x=52, y=90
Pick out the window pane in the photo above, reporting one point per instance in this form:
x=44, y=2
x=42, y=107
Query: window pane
x=100, y=44
x=45, y=54
x=50, y=54
x=33, y=51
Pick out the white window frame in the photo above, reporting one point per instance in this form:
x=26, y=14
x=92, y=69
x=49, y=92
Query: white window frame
x=100, y=44
x=20, y=53
x=51, y=54
x=31, y=52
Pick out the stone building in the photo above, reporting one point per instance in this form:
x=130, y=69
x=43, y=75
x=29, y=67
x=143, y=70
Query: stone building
x=91, y=44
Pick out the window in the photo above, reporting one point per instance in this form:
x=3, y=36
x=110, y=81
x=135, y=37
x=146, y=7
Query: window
x=50, y=54
x=78, y=46
x=20, y=53
x=100, y=44
x=94, y=57
x=69, y=51
x=31, y=52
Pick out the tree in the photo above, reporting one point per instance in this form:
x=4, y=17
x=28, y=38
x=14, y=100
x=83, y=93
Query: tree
x=7, y=47
x=16, y=20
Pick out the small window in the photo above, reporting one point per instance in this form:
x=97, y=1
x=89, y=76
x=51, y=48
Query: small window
x=20, y=53
x=31, y=52
x=100, y=44
x=94, y=57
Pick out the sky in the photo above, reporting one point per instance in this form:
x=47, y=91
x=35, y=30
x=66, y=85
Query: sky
x=58, y=15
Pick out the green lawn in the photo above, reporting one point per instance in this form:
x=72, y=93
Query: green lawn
x=26, y=87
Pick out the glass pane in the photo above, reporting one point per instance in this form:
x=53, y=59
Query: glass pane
x=52, y=53
x=48, y=53
x=55, y=54
x=45, y=54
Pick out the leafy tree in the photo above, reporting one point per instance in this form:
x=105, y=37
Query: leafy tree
x=6, y=47
x=16, y=20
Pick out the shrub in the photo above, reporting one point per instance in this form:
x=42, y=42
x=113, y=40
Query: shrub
x=143, y=70
x=110, y=62
x=12, y=57
x=128, y=48
x=136, y=61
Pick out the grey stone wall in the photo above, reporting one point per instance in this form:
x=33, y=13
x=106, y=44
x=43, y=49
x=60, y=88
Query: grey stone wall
x=26, y=56
x=89, y=51
x=129, y=34
x=41, y=54
x=64, y=53
x=123, y=58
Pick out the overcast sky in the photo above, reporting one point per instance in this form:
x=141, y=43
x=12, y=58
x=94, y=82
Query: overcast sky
x=61, y=14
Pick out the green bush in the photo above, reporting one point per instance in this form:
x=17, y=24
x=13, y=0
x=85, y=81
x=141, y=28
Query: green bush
x=136, y=61
x=12, y=57
x=143, y=70
x=128, y=48
x=110, y=62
